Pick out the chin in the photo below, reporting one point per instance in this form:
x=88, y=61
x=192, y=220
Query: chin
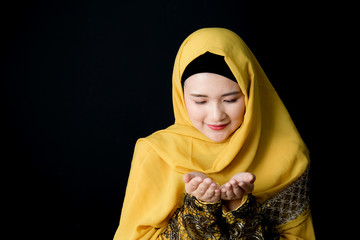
x=219, y=138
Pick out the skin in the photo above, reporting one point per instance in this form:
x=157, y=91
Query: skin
x=212, y=99
x=205, y=189
x=216, y=100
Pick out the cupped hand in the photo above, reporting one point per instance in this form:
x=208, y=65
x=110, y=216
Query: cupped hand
x=202, y=187
x=239, y=186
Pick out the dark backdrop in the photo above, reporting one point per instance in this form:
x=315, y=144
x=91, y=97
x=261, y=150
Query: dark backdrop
x=82, y=80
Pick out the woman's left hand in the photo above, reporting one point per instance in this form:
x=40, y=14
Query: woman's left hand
x=239, y=186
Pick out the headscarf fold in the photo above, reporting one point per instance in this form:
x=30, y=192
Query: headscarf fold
x=267, y=143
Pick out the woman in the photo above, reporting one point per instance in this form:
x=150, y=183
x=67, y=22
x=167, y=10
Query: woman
x=233, y=166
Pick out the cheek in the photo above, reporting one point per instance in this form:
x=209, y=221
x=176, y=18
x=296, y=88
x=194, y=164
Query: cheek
x=195, y=113
x=237, y=113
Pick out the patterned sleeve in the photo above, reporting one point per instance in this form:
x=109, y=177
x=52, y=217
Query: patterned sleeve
x=195, y=220
x=289, y=210
x=248, y=222
x=290, y=203
x=198, y=220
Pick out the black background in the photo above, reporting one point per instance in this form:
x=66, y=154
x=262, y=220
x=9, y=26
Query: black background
x=82, y=80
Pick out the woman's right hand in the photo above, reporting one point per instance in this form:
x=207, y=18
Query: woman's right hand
x=202, y=187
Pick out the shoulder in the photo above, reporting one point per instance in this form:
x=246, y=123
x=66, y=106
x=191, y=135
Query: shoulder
x=142, y=149
x=154, y=142
x=145, y=153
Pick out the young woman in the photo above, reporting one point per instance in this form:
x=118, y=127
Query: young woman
x=233, y=165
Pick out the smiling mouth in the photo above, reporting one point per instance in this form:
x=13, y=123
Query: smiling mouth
x=217, y=127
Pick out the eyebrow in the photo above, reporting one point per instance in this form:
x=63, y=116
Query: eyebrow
x=224, y=95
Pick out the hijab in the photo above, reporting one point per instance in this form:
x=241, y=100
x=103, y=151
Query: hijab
x=266, y=144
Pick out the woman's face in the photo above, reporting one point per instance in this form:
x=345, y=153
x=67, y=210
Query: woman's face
x=215, y=105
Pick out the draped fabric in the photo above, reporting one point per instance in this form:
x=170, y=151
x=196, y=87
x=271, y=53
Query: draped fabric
x=266, y=144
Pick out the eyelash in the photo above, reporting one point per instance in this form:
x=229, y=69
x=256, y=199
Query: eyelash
x=226, y=101
x=231, y=101
x=202, y=102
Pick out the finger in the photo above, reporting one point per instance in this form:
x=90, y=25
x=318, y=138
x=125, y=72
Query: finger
x=247, y=177
x=237, y=189
x=251, y=178
x=223, y=194
x=193, y=184
x=209, y=193
x=188, y=176
x=244, y=176
x=217, y=194
x=246, y=187
x=223, y=191
x=212, y=190
x=226, y=195
x=229, y=191
x=203, y=186
x=214, y=186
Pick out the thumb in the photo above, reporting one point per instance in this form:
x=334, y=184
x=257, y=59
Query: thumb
x=246, y=177
x=251, y=177
x=188, y=176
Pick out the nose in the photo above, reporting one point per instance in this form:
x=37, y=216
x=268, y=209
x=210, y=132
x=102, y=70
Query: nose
x=217, y=113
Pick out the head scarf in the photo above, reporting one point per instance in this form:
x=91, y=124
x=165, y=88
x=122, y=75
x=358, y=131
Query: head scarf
x=267, y=143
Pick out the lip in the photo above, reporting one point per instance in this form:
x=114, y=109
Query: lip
x=217, y=127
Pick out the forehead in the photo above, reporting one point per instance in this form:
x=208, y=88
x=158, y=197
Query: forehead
x=210, y=82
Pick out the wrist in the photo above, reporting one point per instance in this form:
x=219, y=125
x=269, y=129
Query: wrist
x=233, y=204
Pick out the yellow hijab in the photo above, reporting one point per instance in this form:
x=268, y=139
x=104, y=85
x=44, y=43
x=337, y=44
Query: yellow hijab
x=267, y=143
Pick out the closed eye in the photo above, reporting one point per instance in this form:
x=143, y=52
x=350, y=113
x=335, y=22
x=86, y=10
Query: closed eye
x=231, y=101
